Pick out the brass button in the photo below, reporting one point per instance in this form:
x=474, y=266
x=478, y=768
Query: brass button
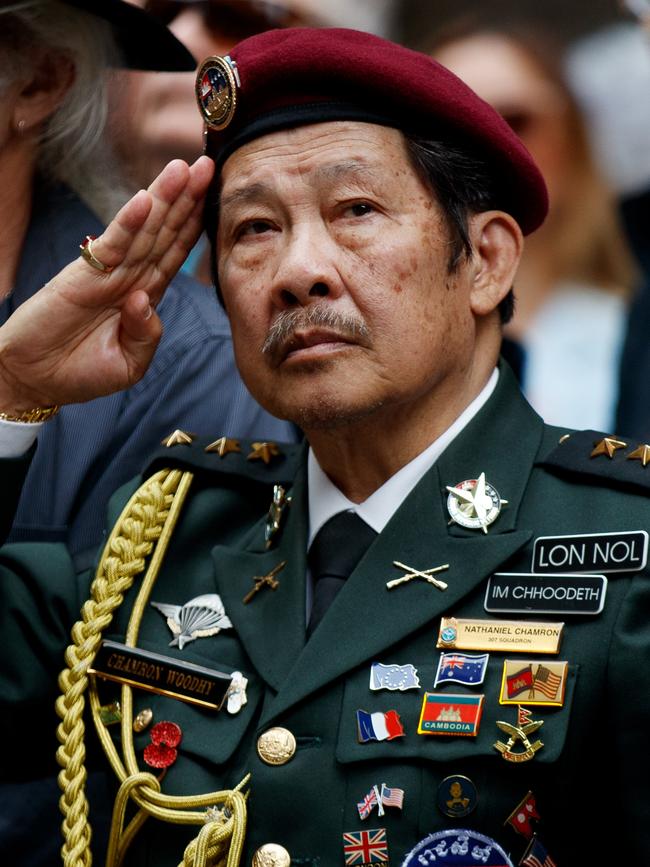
x=271, y=855
x=276, y=746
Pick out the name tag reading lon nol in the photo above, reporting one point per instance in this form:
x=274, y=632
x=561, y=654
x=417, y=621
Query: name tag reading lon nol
x=165, y=675
x=514, y=636
x=591, y=552
x=526, y=593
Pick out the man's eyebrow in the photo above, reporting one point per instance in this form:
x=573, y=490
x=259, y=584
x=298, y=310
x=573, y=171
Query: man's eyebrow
x=350, y=168
x=245, y=194
x=330, y=174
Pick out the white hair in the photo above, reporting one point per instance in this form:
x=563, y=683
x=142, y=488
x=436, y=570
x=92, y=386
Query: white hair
x=73, y=147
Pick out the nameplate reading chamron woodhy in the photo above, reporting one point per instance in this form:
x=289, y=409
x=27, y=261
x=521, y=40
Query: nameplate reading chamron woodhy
x=591, y=553
x=513, y=636
x=526, y=593
x=165, y=675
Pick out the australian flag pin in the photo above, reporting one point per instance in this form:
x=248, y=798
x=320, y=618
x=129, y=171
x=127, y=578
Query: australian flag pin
x=466, y=668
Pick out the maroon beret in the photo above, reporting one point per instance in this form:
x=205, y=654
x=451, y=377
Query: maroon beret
x=287, y=78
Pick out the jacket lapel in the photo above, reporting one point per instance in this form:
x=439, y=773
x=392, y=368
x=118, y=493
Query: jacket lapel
x=366, y=619
x=272, y=625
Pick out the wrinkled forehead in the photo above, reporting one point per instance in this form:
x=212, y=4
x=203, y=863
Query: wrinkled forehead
x=325, y=153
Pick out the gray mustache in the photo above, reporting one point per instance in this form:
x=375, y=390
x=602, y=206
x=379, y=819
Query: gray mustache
x=290, y=321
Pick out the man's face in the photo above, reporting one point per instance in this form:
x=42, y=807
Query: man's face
x=332, y=259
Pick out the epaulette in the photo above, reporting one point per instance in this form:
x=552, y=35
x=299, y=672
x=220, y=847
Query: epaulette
x=601, y=458
x=257, y=460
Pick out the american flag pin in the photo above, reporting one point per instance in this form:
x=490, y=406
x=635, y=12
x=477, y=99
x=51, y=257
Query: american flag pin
x=528, y=681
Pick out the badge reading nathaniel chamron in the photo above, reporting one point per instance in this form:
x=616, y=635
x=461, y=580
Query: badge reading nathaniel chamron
x=513, y=636
x=591, y=552
x=527, y=593
x=474, y=504
x=216, y=91
x=533, y=682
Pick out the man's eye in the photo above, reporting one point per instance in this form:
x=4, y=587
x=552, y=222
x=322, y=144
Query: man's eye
x=255, y=227
x=360, y=209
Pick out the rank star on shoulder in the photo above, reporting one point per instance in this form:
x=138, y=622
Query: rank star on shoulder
x=640, y=453
x=263, y=452
x=223, y=446
x=607, y=446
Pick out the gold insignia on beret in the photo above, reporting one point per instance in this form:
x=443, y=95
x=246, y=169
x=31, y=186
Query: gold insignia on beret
x=178, y=438
x=223, y=446
x=607, y=446
x=263, y=452
x=216, y=90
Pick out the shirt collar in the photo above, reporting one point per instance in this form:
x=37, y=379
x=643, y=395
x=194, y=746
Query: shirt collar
x=326, y=500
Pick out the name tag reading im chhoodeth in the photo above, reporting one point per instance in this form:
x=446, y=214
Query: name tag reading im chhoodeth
x=526, y=593
x=591, y=552
x=164, y=675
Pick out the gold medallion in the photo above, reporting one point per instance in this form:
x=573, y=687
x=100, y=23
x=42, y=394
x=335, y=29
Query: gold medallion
x=216, y=91
x=515, y=636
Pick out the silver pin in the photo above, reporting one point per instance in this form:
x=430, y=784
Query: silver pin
x=199, y=618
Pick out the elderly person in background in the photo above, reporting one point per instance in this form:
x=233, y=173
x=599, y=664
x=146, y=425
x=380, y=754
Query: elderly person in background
x=57, y=183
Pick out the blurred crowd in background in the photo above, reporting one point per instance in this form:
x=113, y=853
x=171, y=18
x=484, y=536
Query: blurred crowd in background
x=573, y=83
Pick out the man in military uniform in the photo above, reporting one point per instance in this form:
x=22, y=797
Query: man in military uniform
x=367, y=220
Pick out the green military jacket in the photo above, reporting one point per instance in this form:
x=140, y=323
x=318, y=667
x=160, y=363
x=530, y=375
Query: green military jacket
x=590, y=778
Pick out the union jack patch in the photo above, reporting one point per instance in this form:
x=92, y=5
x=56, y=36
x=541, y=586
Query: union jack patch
x=365, y=847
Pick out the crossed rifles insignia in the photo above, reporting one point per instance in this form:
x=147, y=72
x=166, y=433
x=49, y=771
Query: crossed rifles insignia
x=520, y=732
x=425, y=574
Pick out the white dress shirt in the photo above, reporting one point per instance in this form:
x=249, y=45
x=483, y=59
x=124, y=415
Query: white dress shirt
x=326, y=500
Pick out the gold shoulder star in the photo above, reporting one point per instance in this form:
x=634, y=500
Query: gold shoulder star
x=178, y=438
x=640, y=453
x=607, y=446
x=263, y=452
x=223, y=446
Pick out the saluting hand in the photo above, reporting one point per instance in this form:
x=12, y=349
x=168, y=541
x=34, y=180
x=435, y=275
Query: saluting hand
x=89, y=333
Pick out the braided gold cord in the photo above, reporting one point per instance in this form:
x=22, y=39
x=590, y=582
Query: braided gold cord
x=131, y=541
x=143, y=530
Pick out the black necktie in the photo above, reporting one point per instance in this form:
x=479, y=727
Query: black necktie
x=337, y=548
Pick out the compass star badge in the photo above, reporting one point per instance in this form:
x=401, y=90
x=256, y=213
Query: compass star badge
x=474, y=503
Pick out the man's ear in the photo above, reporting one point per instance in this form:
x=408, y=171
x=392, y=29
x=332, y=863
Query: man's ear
x=43, y=91
x=498, y=243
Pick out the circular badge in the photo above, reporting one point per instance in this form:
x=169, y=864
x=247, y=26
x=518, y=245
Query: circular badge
x=458, y=847
x=271, y=855
x=276, y=746
x=448, y=635
x=456, y=796
x=474, y=503
x=216, y=91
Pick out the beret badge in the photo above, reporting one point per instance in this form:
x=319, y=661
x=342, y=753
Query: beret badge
x=216, y=91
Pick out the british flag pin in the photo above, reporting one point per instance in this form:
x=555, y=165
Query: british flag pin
x=365, y=847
